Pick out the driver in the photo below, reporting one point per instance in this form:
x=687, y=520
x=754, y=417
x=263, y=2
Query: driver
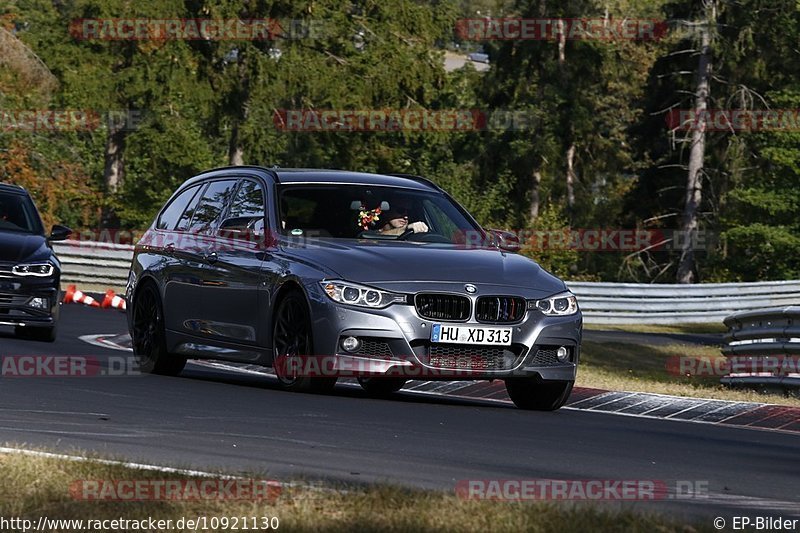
x=397, y=220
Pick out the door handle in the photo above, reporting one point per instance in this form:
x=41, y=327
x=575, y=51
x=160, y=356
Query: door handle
x=211, y=257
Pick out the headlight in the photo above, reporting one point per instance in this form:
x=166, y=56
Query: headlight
x=559, y=305
x=41, y=270
x=345, y=292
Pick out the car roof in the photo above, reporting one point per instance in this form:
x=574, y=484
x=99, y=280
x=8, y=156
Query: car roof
x=14, y=189
x=317, y=175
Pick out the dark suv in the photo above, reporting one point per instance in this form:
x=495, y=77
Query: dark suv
x=30, y=272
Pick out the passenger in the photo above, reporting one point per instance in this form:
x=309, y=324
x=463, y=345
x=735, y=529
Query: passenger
x=397, y=220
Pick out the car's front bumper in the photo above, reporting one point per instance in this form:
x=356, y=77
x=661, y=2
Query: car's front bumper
x=396, y=342
x=16, y=295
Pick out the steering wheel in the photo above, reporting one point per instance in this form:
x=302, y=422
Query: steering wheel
x=425, y=236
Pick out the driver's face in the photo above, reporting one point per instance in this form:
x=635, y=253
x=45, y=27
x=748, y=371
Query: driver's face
x=398, y=216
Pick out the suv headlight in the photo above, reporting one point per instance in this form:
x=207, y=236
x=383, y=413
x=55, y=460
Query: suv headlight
x=41, y=270
x=559, y=305
x=344, y=292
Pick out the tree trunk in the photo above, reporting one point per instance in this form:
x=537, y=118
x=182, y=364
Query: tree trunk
x=687, y=270
x=114, y=171
x=537, y=181
x=235, y=147
x=571, y=177
x=570, y=155
x=235, y=150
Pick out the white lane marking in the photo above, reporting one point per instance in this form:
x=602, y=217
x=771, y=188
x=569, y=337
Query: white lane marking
x=126, y=464
x=39, y=411
x=103, y=341
x=159, y=468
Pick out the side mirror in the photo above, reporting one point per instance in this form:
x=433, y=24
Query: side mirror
x=59, y=233
x=505, y=240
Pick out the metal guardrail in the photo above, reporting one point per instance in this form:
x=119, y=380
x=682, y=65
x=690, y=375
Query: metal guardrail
x=763, y=347
x=101, y=265
x=628, y=303
x=94, y=266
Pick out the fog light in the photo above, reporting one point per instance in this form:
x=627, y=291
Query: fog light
x=38, y=303
x=562, y=354
x=351, y=344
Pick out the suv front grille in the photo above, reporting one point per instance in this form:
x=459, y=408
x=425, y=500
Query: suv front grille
x=460, y=357
x=442, y=306
x=500, y=309
x=13, y=299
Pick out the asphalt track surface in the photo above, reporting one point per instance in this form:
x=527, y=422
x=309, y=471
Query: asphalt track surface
x=216, y=420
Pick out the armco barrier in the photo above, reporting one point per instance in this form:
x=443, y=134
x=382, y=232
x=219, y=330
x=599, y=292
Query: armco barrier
x=763, y=347
x=100, y=266
x=94, y=266
x=642, y=303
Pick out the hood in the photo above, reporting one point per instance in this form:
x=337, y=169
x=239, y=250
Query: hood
x=19, y=247
x=388, y=264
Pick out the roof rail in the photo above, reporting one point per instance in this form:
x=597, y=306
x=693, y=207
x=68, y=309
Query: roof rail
x=414, y=177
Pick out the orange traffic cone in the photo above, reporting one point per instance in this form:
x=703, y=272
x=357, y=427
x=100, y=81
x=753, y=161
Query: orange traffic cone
x=70, y=294
x=85, y=299
x=112, y=300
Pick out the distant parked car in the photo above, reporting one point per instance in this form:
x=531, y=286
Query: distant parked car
x=384, y=277
x=30, y=272
x=479, y=57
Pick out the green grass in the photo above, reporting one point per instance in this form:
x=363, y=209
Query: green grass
x=643, y=368
x=660, y=328
x=35, y=486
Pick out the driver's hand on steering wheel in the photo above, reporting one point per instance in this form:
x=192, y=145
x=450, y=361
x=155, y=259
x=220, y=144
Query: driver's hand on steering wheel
x=417, y=227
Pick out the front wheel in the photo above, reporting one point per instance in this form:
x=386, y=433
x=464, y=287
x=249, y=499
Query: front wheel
x=149, y=338
x=292, y=344
x=527, y=393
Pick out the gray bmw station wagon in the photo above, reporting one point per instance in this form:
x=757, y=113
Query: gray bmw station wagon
x=322, y=274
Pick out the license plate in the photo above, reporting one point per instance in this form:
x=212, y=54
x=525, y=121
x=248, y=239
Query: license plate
x=471, y=335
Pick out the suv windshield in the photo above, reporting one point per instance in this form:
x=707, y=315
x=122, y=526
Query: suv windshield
x=17, y=213
x=374, y=212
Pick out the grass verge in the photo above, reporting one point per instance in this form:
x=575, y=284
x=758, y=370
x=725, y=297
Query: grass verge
x=660, y=328
x=39, y=486
x=657, y=369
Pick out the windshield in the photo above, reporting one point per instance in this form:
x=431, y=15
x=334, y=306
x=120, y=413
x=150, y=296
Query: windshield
x=17, y=213
x=371, y=212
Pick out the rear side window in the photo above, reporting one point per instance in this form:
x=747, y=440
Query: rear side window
x=209, y=210
x=169, y=216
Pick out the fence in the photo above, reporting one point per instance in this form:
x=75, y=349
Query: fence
x=763, y=347
x=100, y=266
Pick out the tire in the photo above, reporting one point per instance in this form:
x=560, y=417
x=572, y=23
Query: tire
x=37, y=334
x=380, y=386
x=149, y=338
x=291, y=337
x=538, y=395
